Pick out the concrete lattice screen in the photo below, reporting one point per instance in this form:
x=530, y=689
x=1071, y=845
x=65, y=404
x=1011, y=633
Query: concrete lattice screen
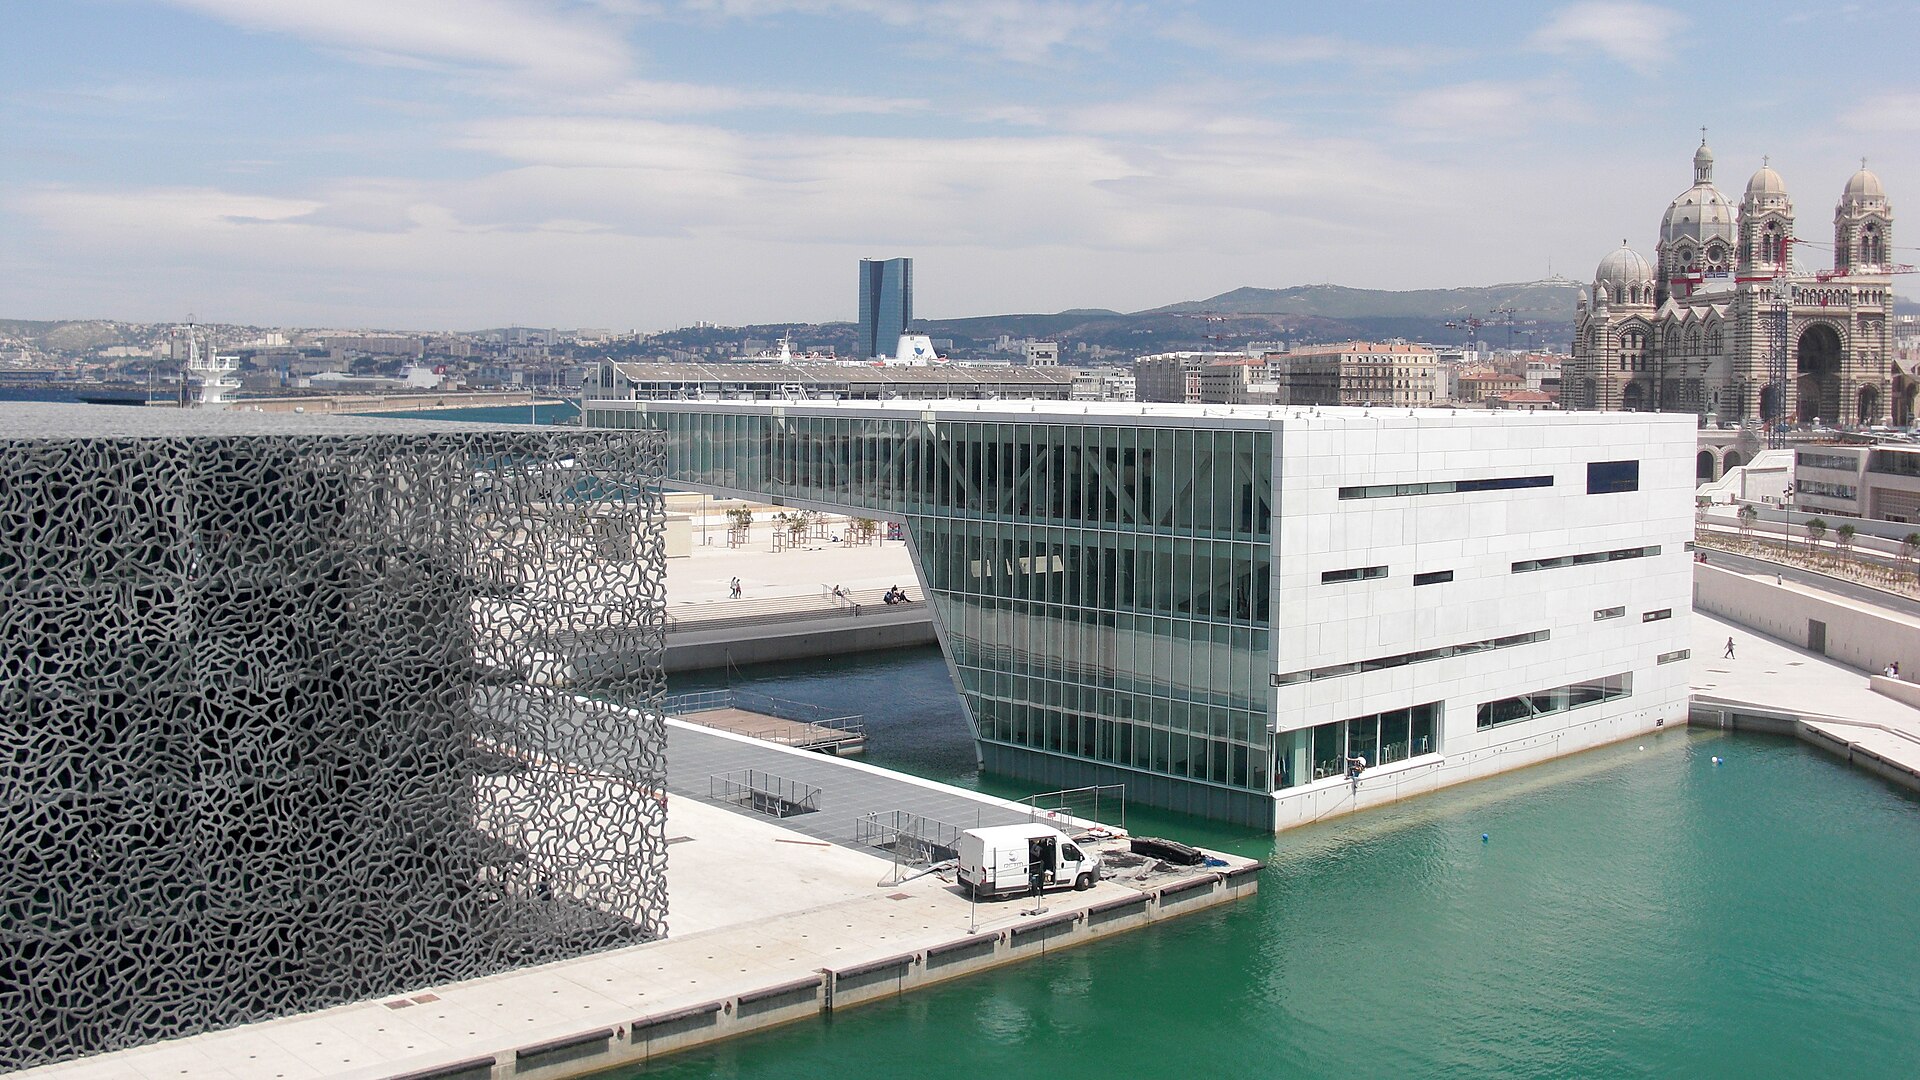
x=290, y=720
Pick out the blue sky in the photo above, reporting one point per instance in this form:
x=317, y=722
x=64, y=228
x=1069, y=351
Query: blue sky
x=648, y=163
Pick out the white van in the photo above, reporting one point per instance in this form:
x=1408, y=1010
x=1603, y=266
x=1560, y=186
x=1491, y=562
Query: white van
x=1005, y=859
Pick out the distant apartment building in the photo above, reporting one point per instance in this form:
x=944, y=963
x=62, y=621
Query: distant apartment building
x=1043, y=353
x=1102, y=384
x=1522, y=401
x=376, y=344
x=1357, y=373
x=1244, y=381
x=1543, y=374
x=1476, y=385
x=1174, y=376
x=457, y=347
x=886, y=305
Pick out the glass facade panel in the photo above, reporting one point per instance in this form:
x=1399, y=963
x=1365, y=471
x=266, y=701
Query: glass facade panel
x=1894, y=462
x=1104, y=590
x=1806, y=459
x=1324, y=750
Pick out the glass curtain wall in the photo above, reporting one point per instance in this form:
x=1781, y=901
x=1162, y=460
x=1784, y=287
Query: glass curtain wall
x=1104, y=589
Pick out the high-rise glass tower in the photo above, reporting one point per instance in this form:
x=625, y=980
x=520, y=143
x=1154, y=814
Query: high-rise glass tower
x=886, y=304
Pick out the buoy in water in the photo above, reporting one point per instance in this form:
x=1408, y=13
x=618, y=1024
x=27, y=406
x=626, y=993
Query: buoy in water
x=1483, y=838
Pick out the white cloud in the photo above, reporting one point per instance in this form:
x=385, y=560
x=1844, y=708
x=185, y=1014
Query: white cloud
x=1483, y=110
x=537, y=37
x=1023, y=30
x=647, y=97
x=1885, y=113
x=1637, y=35
x=602, y=219
x=1299, y=49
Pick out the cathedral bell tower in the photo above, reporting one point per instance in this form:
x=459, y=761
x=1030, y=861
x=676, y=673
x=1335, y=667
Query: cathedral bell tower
x=1766, y=225
x=1862, y=226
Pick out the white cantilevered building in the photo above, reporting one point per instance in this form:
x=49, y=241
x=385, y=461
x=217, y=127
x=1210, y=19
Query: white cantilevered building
x=1221, y=606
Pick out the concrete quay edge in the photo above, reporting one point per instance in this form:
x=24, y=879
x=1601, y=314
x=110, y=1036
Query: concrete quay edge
x=605, y=1041
x=1842, y=738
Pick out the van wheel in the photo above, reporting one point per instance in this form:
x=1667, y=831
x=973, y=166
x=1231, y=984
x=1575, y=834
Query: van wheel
x=1083, y=883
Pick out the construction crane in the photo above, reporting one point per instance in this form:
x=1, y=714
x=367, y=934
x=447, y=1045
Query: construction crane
x=1503, y=316
x=1889, y=268
x=1471, y=325
x=1779, y=316
x=1224, y=316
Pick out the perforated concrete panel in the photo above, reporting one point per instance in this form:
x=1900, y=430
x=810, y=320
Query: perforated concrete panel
x=295, y=714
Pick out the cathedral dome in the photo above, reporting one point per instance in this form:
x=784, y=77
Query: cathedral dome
x=1866, y=185
x=1863, y=190
x=1700, y=213
x=1766, y=182
x=1623, y=266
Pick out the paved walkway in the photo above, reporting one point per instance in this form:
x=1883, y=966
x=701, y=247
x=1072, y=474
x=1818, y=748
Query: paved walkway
x=701, y=580
x=1773, y=676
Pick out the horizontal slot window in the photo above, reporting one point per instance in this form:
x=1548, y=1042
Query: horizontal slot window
x=1606, y=613
x=1525, y=566
x=1444, y=487
x=1433, y=577
x=1826, y=490
x=1841, y=462
x=1559, y=699
x=1354, y=573
x=1379, y=663
x=1609, y=477
x=1675, y=656
x=1893, y=463
x=1656, y=616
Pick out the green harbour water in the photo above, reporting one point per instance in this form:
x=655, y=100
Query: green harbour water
x=1636, y=911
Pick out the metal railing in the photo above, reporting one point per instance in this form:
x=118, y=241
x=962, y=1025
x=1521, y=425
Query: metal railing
x=1086, y=803
x=910, y=837
x=698, y=701
x=765, y=793
x=690, y=704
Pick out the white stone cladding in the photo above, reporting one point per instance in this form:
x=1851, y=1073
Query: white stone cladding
x=1478, y=536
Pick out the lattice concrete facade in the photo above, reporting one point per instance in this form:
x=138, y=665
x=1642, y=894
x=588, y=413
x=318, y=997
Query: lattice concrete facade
x=288, y=713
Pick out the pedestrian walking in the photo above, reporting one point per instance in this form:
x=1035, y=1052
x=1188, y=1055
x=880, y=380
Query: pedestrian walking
x=1729, y=652
x=733, y=589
